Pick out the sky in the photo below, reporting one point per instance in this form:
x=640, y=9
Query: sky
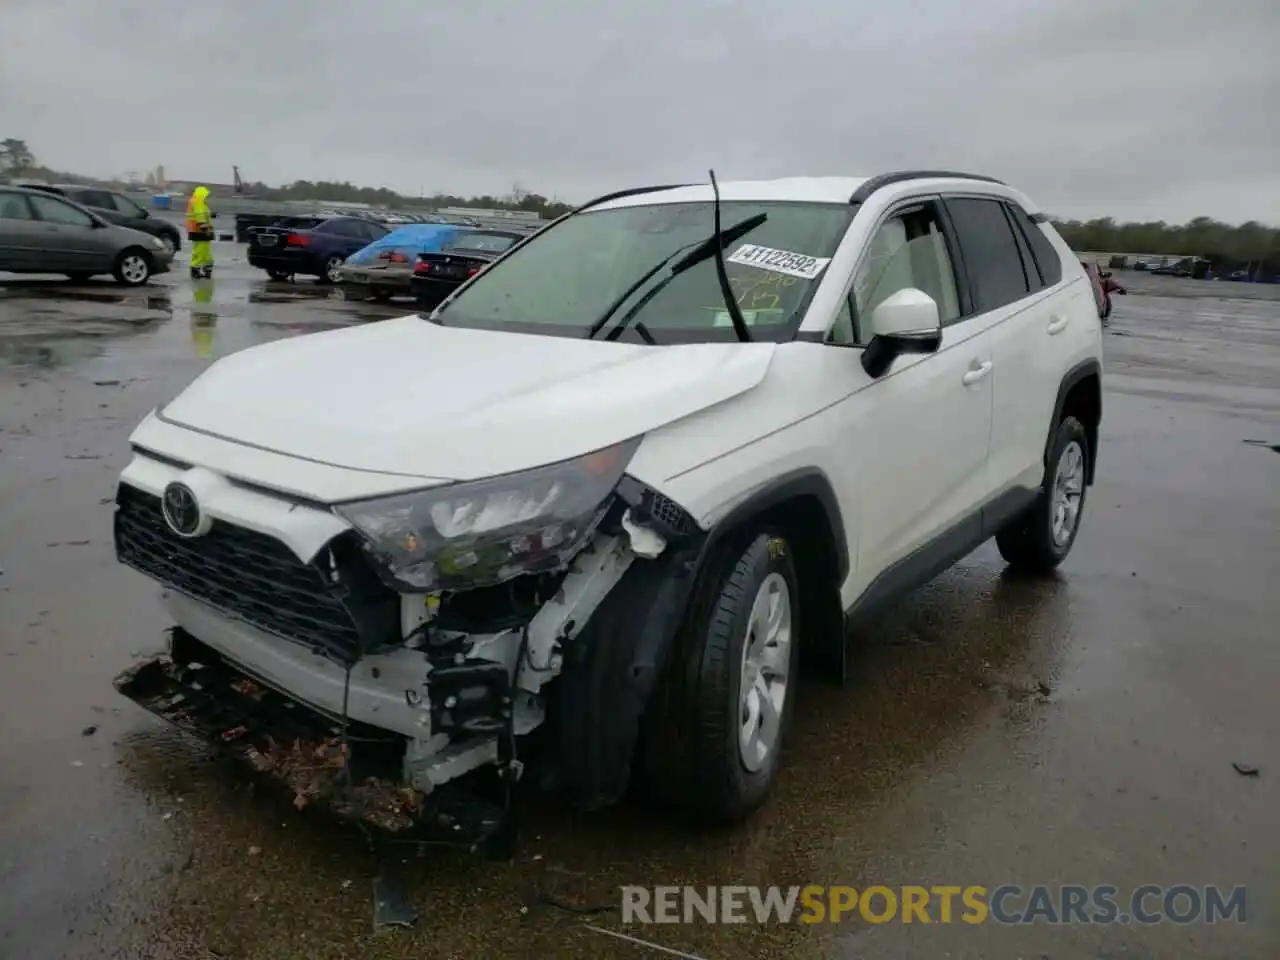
x=1136, y=109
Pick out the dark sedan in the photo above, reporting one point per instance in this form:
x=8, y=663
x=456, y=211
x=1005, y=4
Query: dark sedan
x=317, y=249
x=436, y=275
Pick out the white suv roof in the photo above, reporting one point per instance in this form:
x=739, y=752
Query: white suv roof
x=797, y=189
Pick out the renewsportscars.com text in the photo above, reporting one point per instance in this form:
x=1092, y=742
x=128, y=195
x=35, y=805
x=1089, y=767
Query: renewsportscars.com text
x=1007, y=904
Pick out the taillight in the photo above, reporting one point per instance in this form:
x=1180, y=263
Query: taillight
x=295, y=240
x=473, y=271
x=422, y=266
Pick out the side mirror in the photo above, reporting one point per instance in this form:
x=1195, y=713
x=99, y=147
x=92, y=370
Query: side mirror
x=904, y=322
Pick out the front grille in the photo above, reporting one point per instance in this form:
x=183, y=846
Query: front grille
x=256, y=578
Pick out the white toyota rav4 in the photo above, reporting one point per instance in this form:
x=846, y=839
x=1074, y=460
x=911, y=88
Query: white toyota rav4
x=596, y=508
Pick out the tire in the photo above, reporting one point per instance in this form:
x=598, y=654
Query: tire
x=279, y=275
x=170, y=242
x=699, y=753
x=329, y=271
x=1038, y=540
x=79, y=277
x=132, y=267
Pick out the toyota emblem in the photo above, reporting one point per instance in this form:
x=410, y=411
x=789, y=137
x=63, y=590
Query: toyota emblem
x=181, y=510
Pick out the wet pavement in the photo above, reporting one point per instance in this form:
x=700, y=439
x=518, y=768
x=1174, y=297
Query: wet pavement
x=944, y=761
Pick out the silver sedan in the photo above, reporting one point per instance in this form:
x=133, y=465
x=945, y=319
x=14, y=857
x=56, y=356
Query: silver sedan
x=42, y=233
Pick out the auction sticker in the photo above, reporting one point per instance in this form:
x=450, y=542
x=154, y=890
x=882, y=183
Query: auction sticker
x=779, y=261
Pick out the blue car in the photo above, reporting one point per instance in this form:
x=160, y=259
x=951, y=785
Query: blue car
x=311, y=246
x=384, y=269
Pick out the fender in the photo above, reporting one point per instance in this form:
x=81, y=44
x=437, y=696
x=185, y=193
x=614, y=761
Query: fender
x=613, y=664
x=1073, y=376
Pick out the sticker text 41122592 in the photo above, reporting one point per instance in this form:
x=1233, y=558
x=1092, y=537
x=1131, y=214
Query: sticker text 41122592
x=779, y=261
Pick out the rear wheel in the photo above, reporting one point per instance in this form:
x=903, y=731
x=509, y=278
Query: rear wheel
x=132, y=267
x=1040, y=539
x=721, y=710
x=332, y=270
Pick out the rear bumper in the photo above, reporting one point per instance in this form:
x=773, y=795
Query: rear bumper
x=432, y=292
x=359, y=280
x=192, y=687
x=286, y=262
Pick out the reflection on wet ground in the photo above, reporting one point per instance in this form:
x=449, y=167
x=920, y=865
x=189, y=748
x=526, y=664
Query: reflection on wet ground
x=1074, y=730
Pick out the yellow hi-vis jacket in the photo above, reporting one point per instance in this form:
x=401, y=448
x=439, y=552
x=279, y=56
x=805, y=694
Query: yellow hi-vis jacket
x=199, y=222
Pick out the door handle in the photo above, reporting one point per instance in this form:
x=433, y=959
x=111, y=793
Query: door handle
x=976, y=372
x=1057, y=324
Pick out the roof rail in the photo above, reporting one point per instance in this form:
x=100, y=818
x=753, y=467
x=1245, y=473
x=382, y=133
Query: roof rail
x=631, y=192
x=886, y=179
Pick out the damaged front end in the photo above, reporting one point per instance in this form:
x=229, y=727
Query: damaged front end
x=414, y=646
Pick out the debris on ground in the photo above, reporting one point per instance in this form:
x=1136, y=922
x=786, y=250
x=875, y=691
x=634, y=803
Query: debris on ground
x=89, y=731
x=1245, y=770
x=316, y=771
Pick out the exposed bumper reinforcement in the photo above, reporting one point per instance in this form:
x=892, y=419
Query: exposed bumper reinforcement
x=197, y=690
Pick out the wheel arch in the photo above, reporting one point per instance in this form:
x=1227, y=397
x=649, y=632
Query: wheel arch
x=1080, y=396
x=612, y=667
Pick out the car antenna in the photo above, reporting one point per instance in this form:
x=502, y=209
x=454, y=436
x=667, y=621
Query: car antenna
x=726, y=291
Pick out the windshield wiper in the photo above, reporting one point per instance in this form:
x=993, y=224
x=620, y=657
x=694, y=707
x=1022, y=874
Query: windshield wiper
x=730, y=301
x=699, y=252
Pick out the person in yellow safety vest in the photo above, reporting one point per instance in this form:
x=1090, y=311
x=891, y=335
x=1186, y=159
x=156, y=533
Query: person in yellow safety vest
x=200, y=233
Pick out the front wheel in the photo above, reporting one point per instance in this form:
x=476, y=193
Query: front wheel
x=133, y=268
x=721, y=711
x=1040, y=539
x=170, y=244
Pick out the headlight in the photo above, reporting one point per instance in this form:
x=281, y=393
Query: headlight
x=487, y=531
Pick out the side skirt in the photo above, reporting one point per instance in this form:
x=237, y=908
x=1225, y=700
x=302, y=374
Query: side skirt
x=926, y=562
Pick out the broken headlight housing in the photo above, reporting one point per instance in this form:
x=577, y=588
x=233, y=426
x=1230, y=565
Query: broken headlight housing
x=483, y=532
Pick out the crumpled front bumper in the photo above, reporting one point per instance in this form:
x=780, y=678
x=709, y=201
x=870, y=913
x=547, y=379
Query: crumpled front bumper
x=358, y=777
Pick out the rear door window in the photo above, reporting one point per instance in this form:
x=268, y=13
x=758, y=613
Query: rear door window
x=990, y=251
x=94, y=198
x=1045, y=253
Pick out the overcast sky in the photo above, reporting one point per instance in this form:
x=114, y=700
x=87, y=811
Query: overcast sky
x=1142, y=109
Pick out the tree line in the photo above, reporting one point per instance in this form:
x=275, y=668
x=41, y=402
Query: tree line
x=1218, y=242
x=331, y=191
x=1202, y=237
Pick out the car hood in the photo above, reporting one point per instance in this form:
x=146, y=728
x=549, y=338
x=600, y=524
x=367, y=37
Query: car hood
x=412, y=397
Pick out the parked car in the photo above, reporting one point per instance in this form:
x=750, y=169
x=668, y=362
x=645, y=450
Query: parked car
x=613, y=490
x=41, y=232
x=116, y=208
x=384, y=268
x=317, y=250
x=436, y=275
x=1094, y=273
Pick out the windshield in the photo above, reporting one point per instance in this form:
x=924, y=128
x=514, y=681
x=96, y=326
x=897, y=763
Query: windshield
x=565, y=279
